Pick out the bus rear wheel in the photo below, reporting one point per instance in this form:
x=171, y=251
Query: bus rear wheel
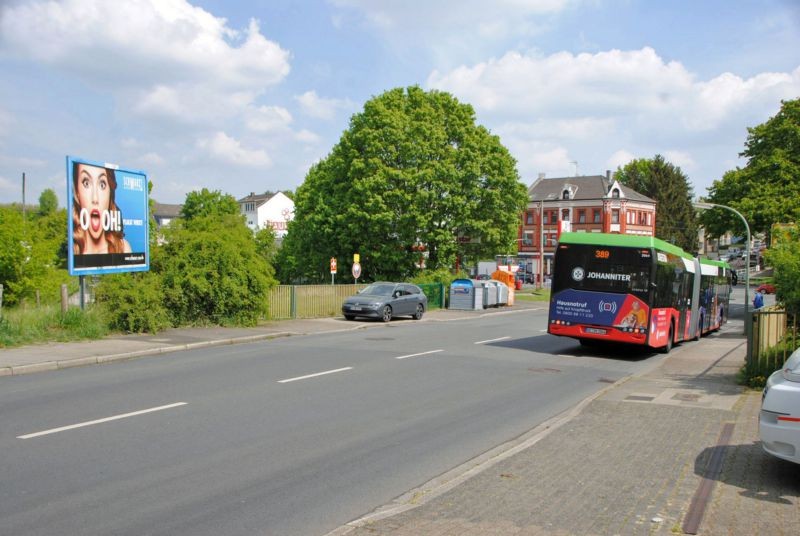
x=667, y=347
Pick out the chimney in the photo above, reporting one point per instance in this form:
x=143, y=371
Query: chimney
x=608, y=175
x=252, y=194
x=541, y=176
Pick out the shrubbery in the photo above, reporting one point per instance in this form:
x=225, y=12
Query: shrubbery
x=133, y=302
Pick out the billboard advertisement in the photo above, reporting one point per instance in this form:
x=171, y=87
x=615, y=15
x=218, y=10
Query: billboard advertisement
x=107, y=218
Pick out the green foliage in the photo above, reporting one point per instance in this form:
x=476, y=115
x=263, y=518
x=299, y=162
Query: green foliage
x=767, y=190
x=266, y=245
x=656, y=178
x=412, y=169
x=208, y=203
x=48, y=202
x=784, y=257
x=32, y=255
x=133, y=302
x=442, y=275
x=212, y=272
x=27, y=326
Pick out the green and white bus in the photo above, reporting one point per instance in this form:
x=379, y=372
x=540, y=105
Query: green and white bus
x=634, y=289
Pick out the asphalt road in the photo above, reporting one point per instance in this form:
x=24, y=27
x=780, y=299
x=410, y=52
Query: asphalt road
x=289, y=436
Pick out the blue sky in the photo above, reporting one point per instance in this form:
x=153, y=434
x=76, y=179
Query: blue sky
x=244, y=96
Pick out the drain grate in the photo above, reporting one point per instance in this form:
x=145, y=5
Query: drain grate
x=686, y=397
x=640, y=398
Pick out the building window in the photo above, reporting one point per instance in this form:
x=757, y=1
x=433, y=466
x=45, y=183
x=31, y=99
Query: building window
x=529, y=218
x=615, y=193
x=596, y=216
x=615, y=216
x=527, y=238
x=565, y=194
x=565, y=214
x=581, y=216
x=649, y=215
x=546, y=218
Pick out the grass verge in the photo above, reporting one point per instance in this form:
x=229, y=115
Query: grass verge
x=19, y=327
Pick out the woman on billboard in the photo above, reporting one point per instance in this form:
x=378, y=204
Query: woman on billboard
x=96, y=218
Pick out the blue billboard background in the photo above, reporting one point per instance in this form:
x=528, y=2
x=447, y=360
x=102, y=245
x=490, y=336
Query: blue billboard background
x=131, y=199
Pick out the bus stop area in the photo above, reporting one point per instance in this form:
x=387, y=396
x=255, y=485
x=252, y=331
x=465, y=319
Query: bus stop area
x=672, y=451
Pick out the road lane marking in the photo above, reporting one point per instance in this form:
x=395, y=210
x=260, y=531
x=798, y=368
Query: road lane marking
x=492, y=340
x=419, y=354
x=99, y=421
x=315, y=375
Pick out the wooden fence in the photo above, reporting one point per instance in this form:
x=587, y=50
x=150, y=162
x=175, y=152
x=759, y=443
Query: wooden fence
x=775, y=337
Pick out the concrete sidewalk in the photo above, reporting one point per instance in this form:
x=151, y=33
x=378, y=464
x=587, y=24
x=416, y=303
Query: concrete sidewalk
x=646, y=456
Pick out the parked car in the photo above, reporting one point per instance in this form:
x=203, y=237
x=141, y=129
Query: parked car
x=779, y=421
x=769, y=288
x=385, y=300
x=483, y=277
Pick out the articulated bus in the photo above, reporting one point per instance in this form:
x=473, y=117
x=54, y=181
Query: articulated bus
x=634, y=289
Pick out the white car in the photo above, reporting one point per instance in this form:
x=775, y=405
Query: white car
x=779, y=421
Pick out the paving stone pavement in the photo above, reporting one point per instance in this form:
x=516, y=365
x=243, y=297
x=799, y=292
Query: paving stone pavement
x=629, y=463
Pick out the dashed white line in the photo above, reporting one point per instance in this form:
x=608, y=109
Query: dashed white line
x=99, y=421
x=492, y=340
x=315, y=375
x=419, y=354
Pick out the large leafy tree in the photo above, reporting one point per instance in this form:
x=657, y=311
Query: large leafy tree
x=48, y=202
x=208, y=203
x=784, y=257
x=412, y=172
x=767, y=190
x=658, y=179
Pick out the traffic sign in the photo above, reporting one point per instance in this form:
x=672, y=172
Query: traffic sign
x=356, y=270
x=333, y=265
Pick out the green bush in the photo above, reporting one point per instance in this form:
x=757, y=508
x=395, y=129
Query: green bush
x=213, y=273
x=133, y=302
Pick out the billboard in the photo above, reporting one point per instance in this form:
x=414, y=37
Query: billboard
x=107, y=218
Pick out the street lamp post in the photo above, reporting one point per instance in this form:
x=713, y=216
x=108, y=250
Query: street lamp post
x=748, y=321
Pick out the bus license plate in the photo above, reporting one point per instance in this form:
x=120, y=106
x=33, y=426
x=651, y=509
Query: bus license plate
x=596, y=331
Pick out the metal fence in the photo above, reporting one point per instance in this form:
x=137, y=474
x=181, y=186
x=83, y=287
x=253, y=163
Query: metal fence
x=320, y=301
x=775, y=337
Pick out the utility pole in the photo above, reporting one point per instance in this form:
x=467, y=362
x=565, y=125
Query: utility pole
x=23, y=197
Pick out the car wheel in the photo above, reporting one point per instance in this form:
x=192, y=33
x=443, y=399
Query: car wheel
x=420, y=310
x=387, y=313
x=349, y=317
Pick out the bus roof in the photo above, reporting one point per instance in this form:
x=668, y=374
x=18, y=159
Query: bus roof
x=721, y=264
x=621, y=240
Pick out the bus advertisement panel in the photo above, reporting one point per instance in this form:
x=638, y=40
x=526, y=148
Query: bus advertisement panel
x=107, y=226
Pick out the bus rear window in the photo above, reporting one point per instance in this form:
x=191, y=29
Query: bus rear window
x=603, y=269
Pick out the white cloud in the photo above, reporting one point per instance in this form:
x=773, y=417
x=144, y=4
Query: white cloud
x=152, y=159
x=227, y=149
x=682, y=159
x=588, y=105
x=445, y=30
x=306, y=136
x=619, y=159
x=321, y=107
x=268, y=119
x=159, y=57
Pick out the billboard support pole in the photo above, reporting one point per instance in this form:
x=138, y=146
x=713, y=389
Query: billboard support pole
x=82, y=283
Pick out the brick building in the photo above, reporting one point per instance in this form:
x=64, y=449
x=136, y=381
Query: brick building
x=592, y=204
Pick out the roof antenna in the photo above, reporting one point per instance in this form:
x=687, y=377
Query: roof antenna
x=576, y=166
